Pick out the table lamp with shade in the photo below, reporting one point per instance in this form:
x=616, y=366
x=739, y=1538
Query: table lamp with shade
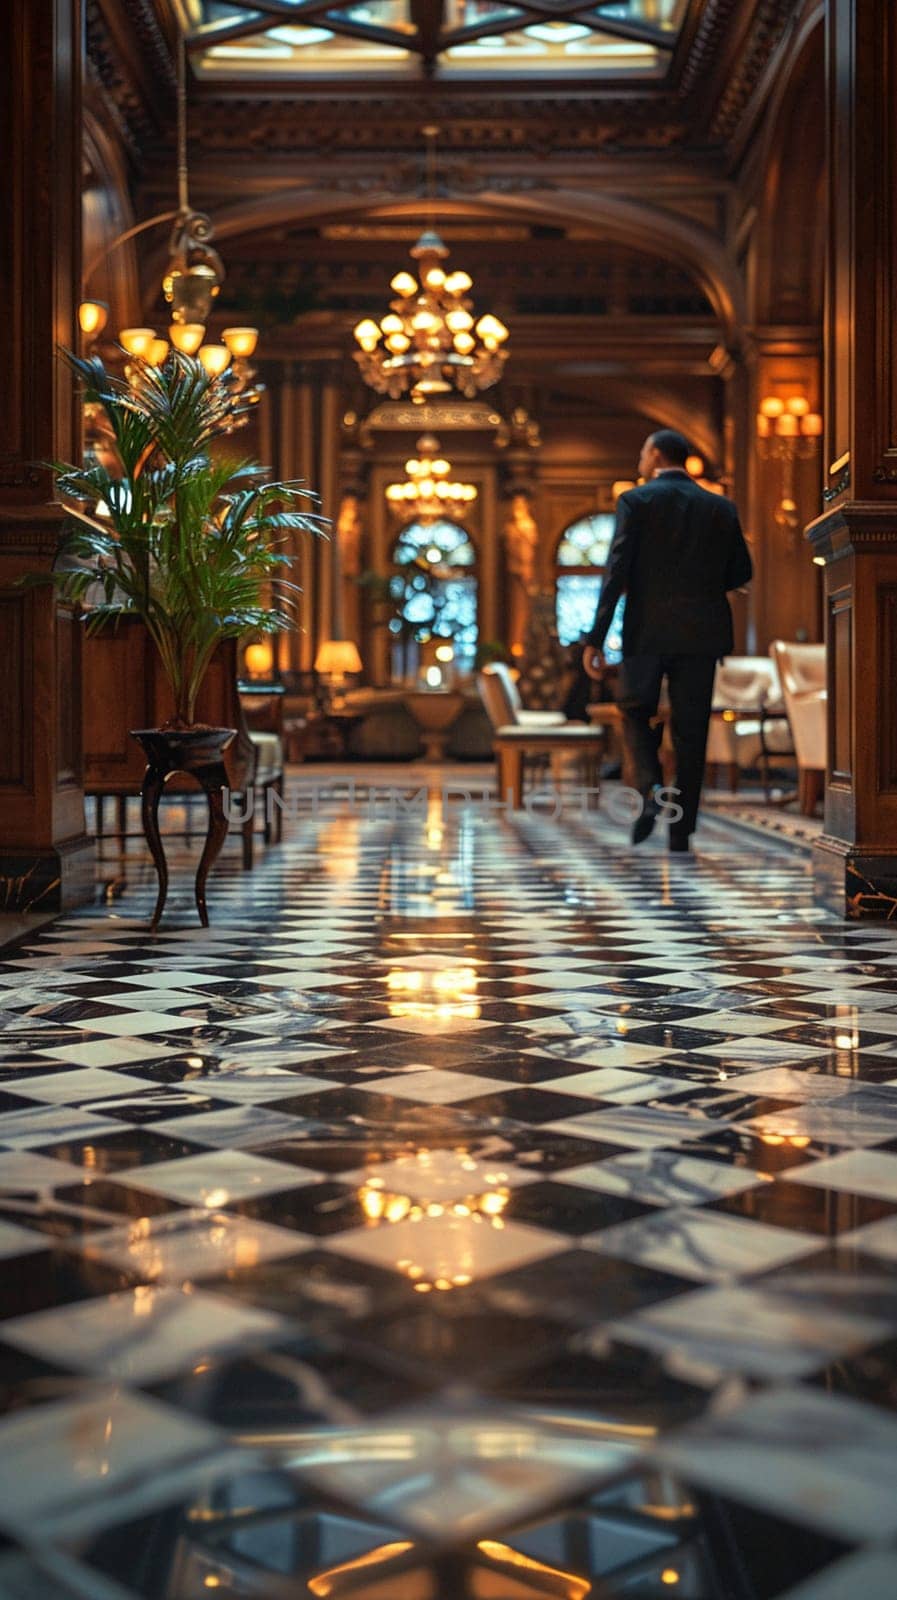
x=258, y=661
x=336, y=658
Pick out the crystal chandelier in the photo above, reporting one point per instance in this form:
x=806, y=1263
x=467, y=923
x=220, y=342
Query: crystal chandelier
x=430, y=492
x=430, y=341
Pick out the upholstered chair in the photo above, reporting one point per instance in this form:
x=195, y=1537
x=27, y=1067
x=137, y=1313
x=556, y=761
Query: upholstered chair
x=802, y=673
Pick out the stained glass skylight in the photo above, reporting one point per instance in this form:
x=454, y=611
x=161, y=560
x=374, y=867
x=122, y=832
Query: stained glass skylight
x=622, y=38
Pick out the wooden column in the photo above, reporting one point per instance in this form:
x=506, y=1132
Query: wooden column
x=46, y=858
x=856, y=860
x=328, y=487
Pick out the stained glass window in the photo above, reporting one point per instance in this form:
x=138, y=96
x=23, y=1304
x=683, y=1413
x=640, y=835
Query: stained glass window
x=581, y=558
x=435, y=592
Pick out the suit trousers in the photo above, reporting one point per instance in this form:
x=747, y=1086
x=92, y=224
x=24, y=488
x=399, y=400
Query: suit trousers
x=690, y=687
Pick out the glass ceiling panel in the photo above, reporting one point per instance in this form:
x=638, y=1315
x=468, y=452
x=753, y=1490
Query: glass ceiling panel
x=552, y=46
x=621, y=38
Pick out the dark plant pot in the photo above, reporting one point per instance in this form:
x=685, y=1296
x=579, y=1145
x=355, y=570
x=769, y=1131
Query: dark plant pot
x=198, y=752
x=184, y=749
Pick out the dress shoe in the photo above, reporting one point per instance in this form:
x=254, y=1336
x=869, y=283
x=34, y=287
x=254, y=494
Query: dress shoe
x=643, y=826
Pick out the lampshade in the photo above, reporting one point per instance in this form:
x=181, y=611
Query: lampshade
x=136, y=340
x=93, y=315
x=241, y=341
x=215, y=358
x=336, y=657
x=258, y=658
x=187, y=336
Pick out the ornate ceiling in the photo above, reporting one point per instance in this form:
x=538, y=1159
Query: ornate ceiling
x=448, y=38
x=530, y=79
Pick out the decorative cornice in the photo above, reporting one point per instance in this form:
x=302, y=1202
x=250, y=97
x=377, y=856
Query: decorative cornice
x=128, y=104
x=771, y=20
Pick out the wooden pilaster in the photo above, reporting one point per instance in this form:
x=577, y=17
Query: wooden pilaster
x=46, y=859
x=856, y=860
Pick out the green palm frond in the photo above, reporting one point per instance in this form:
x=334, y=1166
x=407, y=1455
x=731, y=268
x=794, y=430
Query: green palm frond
x=196, y=546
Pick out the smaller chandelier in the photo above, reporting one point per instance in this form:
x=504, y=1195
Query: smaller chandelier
x=429, y=342
x=430, y=492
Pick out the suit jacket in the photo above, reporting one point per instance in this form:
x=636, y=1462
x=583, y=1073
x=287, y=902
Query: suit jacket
x=676, y=551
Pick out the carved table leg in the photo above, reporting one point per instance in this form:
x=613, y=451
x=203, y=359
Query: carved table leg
x=214, y=781
x=150, y=795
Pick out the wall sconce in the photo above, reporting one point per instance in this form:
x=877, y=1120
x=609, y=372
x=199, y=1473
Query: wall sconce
x=788, y=432
x=92, y=317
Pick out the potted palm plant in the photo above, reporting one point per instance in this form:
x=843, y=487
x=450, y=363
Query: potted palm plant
x=162, y=531
x=190, y=543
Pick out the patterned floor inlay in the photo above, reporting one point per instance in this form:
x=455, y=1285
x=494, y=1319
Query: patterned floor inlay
x=478, y=1210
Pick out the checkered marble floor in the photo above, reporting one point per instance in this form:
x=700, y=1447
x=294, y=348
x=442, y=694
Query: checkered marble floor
x=477, y=1209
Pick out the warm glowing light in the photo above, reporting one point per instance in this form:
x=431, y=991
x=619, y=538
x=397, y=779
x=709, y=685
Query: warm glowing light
x=458, y=282
x=93, y=316
x=215, y=358
x=490, y=327
x=798, y=405
x=157, y=353
x=575, y=1588
x=136, y=341
x=772, y=406
x=241, y=342
x=695, y=465
x=404, y=284
x=669, y=1575
x=258, y=659
x=620, y=487
x=445, y=652
x=186, y=336
x=327, y=1583
x=812, y=425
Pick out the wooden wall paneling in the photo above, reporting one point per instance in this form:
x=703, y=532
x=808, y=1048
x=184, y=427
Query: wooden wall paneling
x=118, y=695
x=855, y=862
x=46, y=858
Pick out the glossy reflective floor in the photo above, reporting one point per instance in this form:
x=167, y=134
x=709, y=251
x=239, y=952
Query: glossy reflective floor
x=477, y=1211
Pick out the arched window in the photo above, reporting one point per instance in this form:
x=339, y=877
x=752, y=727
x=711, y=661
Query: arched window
x=580, y=563
x=435, y=590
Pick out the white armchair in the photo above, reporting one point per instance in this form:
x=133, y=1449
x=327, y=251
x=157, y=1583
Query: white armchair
x=738, y=738
x=505, y=696
x=802, y=672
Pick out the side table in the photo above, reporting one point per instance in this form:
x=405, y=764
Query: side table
x=198, y=752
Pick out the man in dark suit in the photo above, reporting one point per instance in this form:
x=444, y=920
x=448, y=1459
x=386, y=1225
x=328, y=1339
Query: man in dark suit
x=677, y=551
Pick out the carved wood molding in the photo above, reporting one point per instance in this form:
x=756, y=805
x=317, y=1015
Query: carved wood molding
x=132, y=108
x=700, y=108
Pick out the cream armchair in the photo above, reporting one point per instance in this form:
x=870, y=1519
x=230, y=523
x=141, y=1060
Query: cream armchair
x=802, y=673
x=518, y=734
x=738, y=738
x=505, y=697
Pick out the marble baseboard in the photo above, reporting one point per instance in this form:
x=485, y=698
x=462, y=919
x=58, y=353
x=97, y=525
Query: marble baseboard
x=56, y=879
x=853, y=882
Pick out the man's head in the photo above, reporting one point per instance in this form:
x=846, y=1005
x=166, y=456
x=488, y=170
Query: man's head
x=665, y=448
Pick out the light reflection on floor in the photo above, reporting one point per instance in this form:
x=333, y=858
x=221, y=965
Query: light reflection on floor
x=477, y=1211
